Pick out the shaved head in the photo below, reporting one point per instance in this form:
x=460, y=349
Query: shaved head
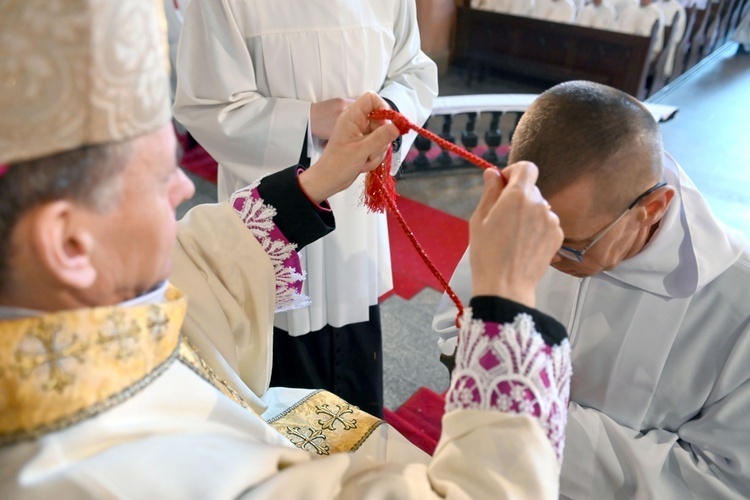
x=583, y=129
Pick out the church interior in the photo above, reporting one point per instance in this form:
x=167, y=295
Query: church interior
x=707, y=136
x=374, y=249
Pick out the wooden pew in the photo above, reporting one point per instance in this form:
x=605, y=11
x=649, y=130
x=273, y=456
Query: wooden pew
x=734, y=19
x=551, y=51
x=700, y=35
x=683, y=48
x=658, y=77
x=724, y=26
x=712, y=31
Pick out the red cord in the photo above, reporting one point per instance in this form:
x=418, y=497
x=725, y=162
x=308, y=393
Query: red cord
x=380, y=190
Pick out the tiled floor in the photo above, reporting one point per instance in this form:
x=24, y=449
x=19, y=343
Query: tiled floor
x=709, y=137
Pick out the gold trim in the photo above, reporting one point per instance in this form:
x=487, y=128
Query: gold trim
x=323, y=423
x=188, y=355
x=58, y=369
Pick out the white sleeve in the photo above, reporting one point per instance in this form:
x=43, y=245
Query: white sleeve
x=444, y=320
x=411, y=83
x=706, y=457
x=217, y=97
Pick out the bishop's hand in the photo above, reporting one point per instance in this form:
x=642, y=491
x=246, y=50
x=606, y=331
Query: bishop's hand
x=513, y=235
x=357, y=145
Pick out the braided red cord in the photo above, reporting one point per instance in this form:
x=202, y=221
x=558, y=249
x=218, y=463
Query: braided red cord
x=404, y=125
x=377, y=191
x=391, y=202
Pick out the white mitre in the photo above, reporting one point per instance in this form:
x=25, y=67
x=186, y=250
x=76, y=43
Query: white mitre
x=80, y=72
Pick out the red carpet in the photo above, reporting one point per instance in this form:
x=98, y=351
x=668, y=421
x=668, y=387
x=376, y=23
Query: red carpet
x=419, y=419
x=443, y=236
x=196, y=160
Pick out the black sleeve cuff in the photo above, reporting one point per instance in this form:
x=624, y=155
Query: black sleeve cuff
x=301, y=221
x=397, y=142
x=304, y=160
x=500, y=310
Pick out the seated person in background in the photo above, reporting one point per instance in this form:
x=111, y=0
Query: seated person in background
x=513, y=7
x=639, y=19
x=621, y=5
x=598, y=14
x=558, y=11
x=654, y=291
x=112, y=387
x=674, y=16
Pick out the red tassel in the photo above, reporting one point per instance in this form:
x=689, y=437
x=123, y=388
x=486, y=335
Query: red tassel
x=377, y=194
x=380, y=186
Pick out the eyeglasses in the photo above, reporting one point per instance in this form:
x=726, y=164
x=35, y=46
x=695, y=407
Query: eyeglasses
x=577, y=255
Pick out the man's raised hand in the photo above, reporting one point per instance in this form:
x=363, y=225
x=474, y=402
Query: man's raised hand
x=513, y=235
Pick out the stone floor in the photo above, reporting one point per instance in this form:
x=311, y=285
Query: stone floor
x=708, y=137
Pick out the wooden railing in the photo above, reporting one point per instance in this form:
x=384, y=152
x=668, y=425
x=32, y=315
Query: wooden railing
x=482, y=124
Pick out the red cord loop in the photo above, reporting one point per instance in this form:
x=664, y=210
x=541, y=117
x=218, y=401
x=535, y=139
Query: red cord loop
x=380, y=190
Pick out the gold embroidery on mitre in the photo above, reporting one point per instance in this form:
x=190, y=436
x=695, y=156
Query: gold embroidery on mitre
x=78, y=72
x=323, y=423
x=58, y=369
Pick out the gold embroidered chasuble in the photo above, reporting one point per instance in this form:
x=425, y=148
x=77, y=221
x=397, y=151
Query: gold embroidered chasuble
x=59, y=369
x=166, y=433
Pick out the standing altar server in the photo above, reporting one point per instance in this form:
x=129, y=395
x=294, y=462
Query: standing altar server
x=259, y=86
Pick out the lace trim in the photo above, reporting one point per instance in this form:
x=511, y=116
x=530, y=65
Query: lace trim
x=510, y=368
x=258, y=218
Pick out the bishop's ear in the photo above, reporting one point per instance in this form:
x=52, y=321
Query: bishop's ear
x=62, y=243
x=655, y=204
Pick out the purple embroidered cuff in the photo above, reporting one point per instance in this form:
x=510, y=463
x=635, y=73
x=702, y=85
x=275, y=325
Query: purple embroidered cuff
x=258, y=217
x=508, y=367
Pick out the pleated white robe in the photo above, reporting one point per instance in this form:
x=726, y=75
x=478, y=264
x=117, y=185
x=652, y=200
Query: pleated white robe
x=601, y=16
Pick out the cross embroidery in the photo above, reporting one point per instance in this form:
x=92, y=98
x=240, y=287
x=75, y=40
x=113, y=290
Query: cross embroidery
x=308, y=439
x=43, y=346
x=157, y=322
x=118, y=331
x=336, y=416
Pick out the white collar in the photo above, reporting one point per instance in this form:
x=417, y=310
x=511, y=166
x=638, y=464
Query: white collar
x=154, y=296
x=690, y=248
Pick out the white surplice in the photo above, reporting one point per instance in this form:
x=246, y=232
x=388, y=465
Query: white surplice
x=513, y=7
x=661, y=381
x=248, y=71
x=621, y=5
x=600, y=16
x=558, y=11
x=638, y=20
